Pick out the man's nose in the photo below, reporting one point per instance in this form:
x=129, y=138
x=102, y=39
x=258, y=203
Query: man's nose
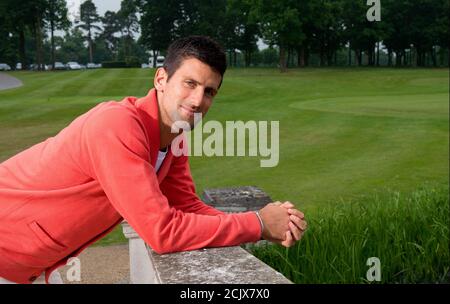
x=197, y=97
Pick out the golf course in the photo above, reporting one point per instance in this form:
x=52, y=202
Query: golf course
x=364, y=152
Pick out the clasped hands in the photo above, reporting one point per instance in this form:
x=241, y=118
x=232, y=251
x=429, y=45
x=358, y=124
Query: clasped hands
x=283, y=224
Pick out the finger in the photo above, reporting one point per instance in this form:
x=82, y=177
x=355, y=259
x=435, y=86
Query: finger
x=288, y=242
x=301, y=224
x=296, y=213
x=277, y=203
x=287, y=205
x=295, y=231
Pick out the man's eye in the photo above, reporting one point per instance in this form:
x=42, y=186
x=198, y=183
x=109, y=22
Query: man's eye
x=211, y=92
x=190, y=84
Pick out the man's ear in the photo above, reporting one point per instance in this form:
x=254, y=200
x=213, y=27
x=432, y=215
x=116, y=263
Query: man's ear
x=160, y=79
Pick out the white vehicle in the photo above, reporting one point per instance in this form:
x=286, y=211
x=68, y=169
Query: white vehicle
x=144, y=66
x=19, y=66
x=72, y=65
x=159, y=61
x=59, y=66
x=4, y=67
x=91, y=65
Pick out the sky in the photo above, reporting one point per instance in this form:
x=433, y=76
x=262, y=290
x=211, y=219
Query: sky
x=102, y=6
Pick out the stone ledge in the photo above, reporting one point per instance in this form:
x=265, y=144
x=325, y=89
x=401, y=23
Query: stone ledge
x=224, y=265
x=236, y=199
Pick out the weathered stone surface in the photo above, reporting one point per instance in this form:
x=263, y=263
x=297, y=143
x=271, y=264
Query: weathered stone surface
x=236, y=199
x=225, y=265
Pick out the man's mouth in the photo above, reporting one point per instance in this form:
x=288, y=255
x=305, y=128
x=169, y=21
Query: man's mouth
x=187, y=111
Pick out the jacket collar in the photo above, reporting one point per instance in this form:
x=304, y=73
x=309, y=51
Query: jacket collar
x=149, y=111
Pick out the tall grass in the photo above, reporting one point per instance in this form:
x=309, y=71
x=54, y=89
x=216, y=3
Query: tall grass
x=408, y=233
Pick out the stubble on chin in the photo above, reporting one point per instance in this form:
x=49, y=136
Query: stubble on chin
x=181, y=123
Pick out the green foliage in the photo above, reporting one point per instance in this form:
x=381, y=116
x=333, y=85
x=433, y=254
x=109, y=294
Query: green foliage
x=306, y=32
x=157, y=23
x=114, y=64
x=72, y=47
x=133, y=62
x=88, y=23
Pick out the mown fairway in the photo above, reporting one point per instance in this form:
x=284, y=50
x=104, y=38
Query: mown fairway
x=343, y=132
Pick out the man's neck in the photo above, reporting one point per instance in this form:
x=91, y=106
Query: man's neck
x=165, y=135
x=165, y=130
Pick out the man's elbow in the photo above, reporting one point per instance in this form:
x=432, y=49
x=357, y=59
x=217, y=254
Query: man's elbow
x=163, y=247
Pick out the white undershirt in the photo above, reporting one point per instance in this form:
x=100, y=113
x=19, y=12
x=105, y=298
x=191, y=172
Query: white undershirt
x=161, y=156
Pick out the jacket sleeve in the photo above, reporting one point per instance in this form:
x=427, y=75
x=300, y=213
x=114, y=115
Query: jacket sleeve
x=118, y=157
x=179, y=189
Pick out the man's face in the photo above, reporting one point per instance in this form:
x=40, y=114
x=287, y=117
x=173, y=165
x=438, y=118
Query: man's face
x=190, y=90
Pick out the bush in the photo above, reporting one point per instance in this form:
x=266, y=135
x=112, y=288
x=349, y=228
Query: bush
x=133, y=62
x=130, y=62
x=114, y=64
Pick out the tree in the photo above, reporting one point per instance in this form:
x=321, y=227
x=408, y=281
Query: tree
x=361, y=34
x=56, y=16
x=158, y=19
x=38, y=8
x=88, y=20
x=240, y=30
x=425, y=27
x=8, y=46
x=129, y=23
x=18, y=18
x=72, y=47
x=280, y=24
x=111, y=26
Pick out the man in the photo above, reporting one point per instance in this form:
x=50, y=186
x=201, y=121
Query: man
x=113, y=163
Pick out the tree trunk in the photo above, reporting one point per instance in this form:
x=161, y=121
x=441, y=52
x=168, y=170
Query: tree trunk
x=419, y=57
x=358, y=54
x=90, y=45
x=282, y=59
x=329, y=58
x=38, y=36
x=288, y=57
x=306, y=57
x=322, y=56
x=52, y=29
x=433, y=56
x=398, y=58
x=349, y=55
x=378, y=53
x=155, y=55
x=23, y=58
x=301, y=56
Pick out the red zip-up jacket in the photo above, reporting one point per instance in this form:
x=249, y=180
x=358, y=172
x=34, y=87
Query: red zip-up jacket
x=61, y=195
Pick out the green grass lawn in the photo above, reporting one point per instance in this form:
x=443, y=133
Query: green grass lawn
x=344, y=133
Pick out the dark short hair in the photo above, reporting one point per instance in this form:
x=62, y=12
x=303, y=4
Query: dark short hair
x=202, y=48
